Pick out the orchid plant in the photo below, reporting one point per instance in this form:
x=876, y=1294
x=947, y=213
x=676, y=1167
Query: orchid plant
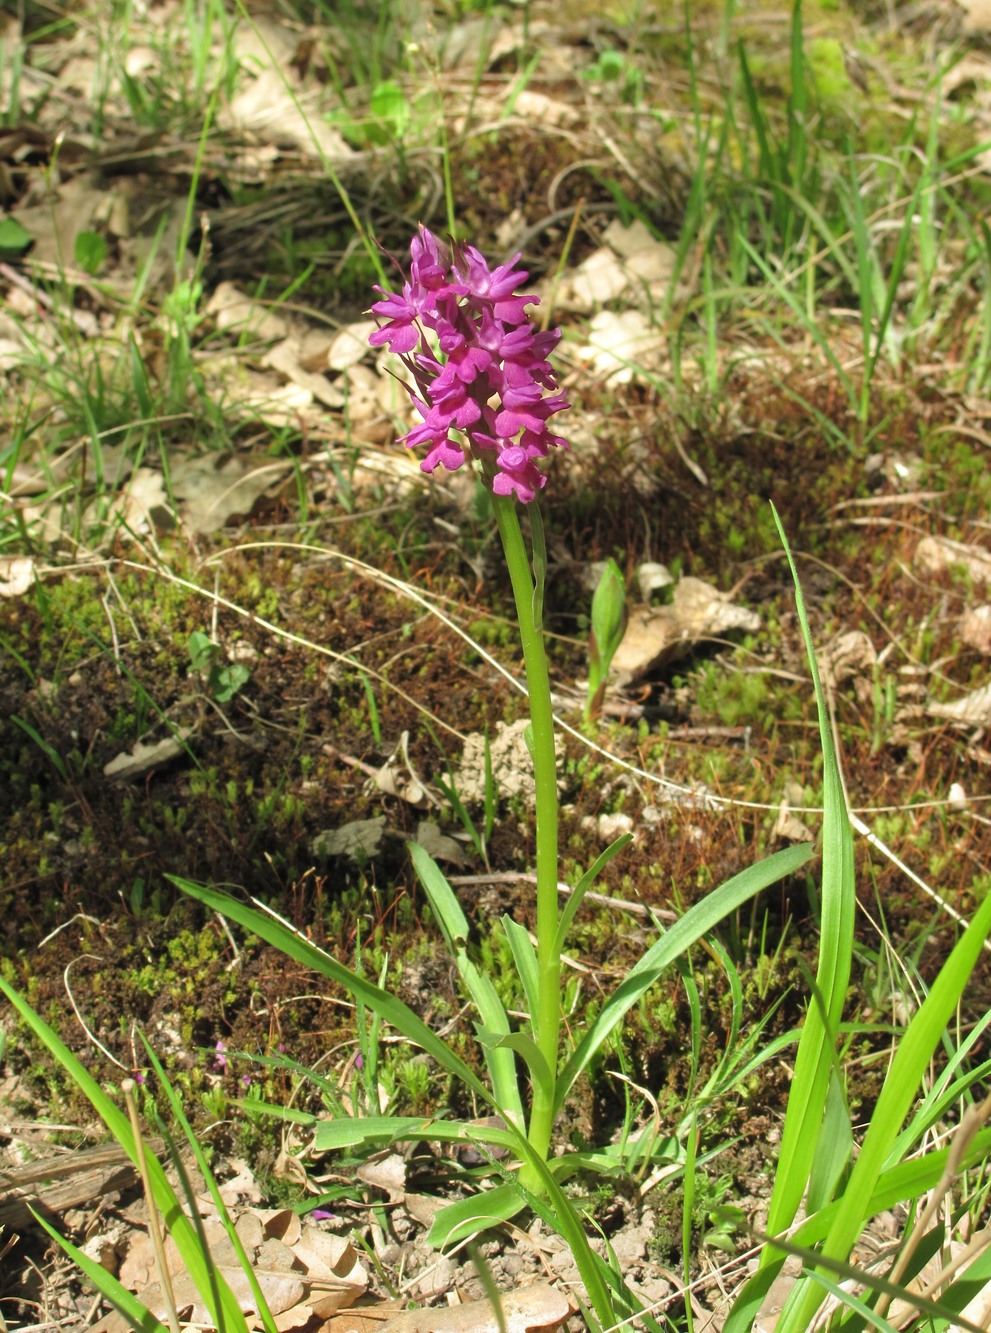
x=484, y=389
x=482, y=384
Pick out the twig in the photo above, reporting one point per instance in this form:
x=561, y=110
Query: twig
x=154, y=1226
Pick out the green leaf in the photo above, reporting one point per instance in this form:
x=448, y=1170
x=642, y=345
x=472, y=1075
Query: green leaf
x=349, y=1132
x=91, y=251
x=389, y=104
x=479, y=1212
x=814, y=1060
x=901, y=1086
x=202, y=650
x=574, y=899
x=684, y=933
x=226, y=681
x=607, y=629
x=525, y=958
x=454, y=925
x=280, y=935
x=13, y=237
x=137, y=1315
x=198, y=1264
x=523, y=1044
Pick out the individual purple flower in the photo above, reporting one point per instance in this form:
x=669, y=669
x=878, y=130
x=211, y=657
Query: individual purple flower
x=479, y=366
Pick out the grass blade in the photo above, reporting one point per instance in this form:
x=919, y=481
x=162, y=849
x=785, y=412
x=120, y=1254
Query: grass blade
x=228, y=1314
x=499, y=1060
x=281, y=935
x=692, y=926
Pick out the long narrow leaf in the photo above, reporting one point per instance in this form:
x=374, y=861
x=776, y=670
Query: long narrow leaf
x=525, y=958
x=282, y=936
x=817, y=1045
x=454, y=925
x=900, y=1089
x=703, y=916
x=229, y=1315
x=575, y=898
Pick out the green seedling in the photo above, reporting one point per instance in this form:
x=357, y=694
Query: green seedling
x=609, y=618
x=222, y=680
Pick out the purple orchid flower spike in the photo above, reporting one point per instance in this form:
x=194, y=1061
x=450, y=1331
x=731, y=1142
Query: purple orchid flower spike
x=480, y=367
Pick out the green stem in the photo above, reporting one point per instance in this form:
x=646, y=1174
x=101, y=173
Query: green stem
x=546, y=1022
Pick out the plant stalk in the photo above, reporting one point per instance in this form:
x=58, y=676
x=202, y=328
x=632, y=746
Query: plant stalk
x=546, y=1022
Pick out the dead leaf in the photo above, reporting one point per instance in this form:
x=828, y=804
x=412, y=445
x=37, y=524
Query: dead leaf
x=848, y=654
x=231, y=308
x=359, y=840
x=214, y=488
x=397, y=777
x=141, y=758
x=350, y=344
x=16, y=575
x=621, y=345
x=275, y=110
x=439, y=845
x=285, y=357
x=313, y=1277
x=539, y=1307
x=631, y=264
x=975, y=629
x=143, y=504
x=78, y=204
x=386, y=1172
x=973, y=710
x=934, y=554
x=978, y=15
x=656, y=635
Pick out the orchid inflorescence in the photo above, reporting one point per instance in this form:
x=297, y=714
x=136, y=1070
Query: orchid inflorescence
x=484, y=372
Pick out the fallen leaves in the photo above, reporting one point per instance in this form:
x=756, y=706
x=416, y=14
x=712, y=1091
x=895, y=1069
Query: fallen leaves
x=305, y=1274
x=656, y=635
x=535, y=1309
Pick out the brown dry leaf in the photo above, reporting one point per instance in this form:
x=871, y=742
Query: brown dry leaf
x=386, y=1172
x=973, y=710
x=349, y=344
x=16, y=575
x=975, y=629
x=77, y=205
x=141, y=758
x=934, y=554
x=231, y=308
x=848, y=654
x=631, y=264
x=214, y=488
x=364, y=1318
x=286, y=358
x=143, y=503
x=540, y=1307
x=275, y=111
x=621, y=345
x=308, y=1280
x=978, y=15
x=656, y=635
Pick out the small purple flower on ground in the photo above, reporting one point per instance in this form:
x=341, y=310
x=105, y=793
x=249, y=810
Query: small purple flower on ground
x=220, y=1059
x=489, y=381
